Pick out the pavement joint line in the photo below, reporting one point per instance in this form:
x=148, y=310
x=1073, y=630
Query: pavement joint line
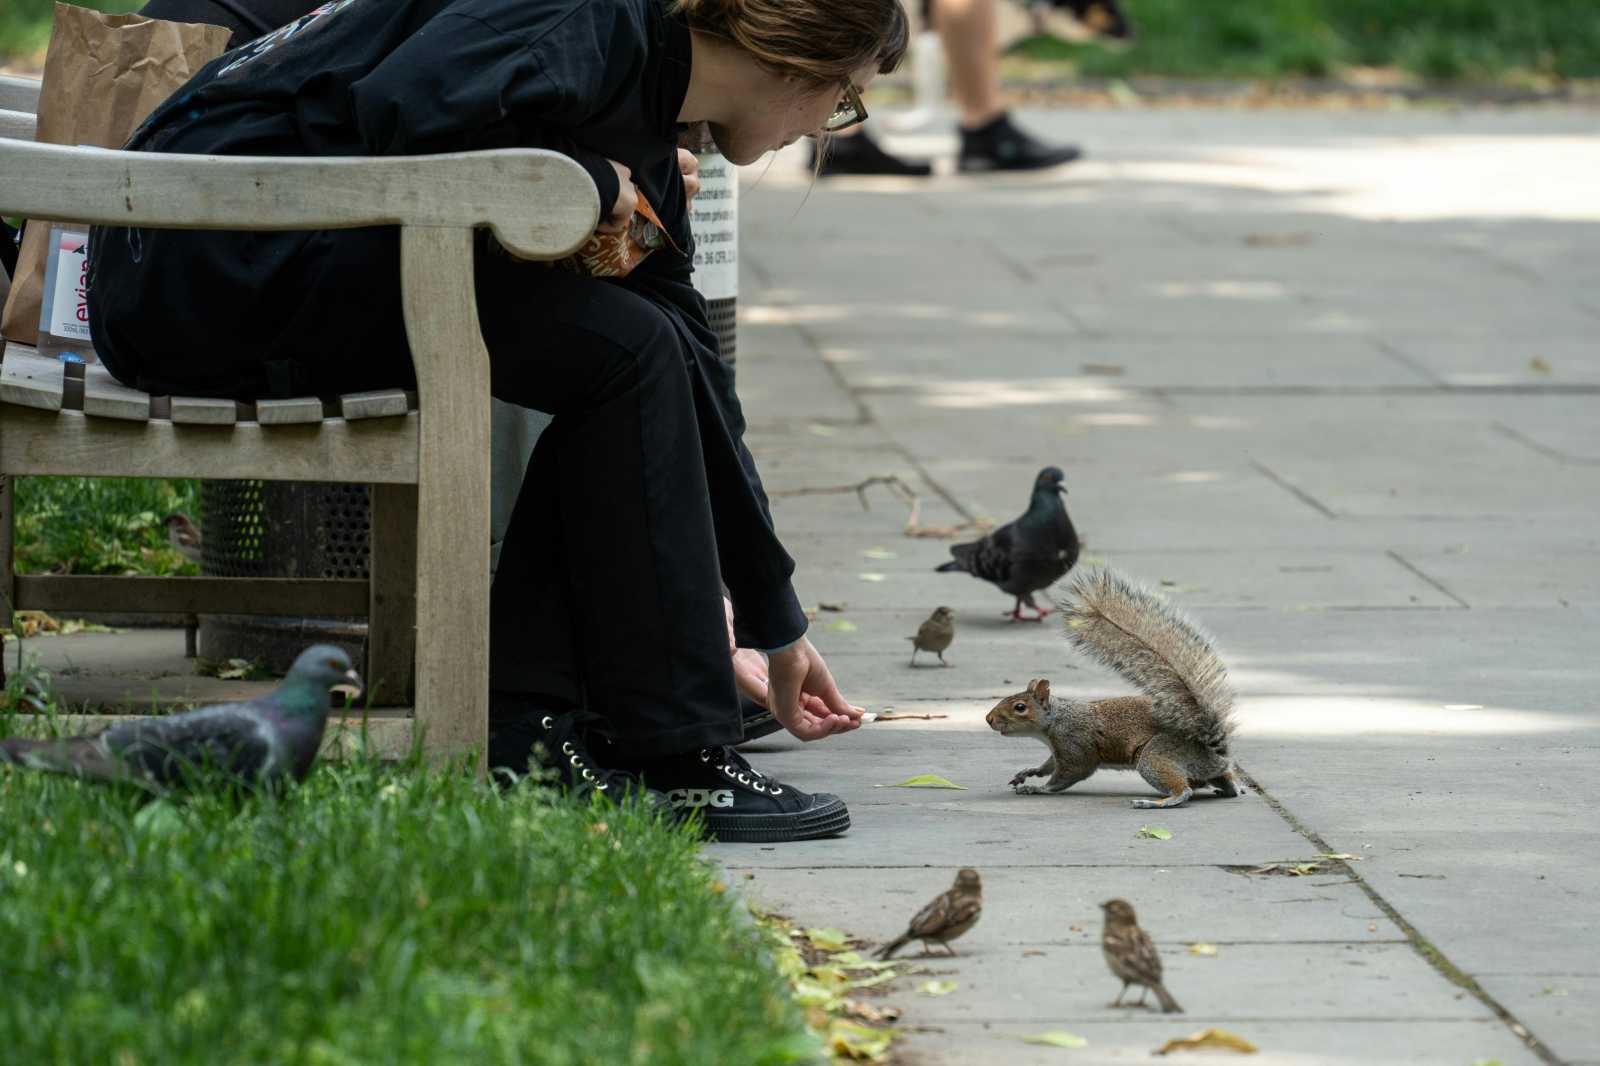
x=1411, y=363
x=1409, y=565
x=1294, y=490
x=1137, y=1017
x=1551, y=453
x=1426, y=950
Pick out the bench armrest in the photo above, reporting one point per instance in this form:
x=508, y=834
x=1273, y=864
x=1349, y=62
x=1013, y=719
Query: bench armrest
x=540, y=204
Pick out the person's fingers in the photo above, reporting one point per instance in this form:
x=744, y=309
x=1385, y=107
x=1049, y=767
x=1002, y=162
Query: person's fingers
x=689, y=167
x=727, y=614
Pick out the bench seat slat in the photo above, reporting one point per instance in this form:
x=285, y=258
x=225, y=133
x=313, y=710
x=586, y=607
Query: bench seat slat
x=289, y=412
x=382, y=450
x=106, y=397
x=28, y=379
x=383, y=403
x=204, y=411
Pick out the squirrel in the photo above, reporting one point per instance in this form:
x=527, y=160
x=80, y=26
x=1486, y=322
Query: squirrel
x=1176, y=734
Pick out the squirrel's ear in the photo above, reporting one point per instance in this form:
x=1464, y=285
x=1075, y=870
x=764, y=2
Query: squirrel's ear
x=1039, y=689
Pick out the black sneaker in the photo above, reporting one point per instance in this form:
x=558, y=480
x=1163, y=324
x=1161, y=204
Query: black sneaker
x=863, y=155
x=519, y=736
x=1000, y=145
x=739, y=803
x=758, y=721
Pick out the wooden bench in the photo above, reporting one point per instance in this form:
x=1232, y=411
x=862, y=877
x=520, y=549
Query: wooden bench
x=426, y=455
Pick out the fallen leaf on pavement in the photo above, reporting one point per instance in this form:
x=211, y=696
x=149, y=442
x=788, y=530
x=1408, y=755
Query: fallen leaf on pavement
x=842, y=625
x=870, y=577
x=879, y=553
x=937, y=988
x=924, y=781
x=1057, y=1038
x=1154, y=832
x=1220, y=1039
x=1338, y=856
x=1202, y=949
x=1538, y=365
x=859, y=1042
x=828, y=939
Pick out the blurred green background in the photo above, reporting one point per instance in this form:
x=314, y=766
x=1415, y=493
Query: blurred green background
x=1496, y=41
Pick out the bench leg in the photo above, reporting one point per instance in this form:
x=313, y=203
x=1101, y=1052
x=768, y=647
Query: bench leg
x=8, y=544
x=452, y=365
x=392, y=614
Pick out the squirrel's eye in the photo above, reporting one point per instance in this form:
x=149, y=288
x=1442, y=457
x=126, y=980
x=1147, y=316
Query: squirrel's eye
x=1019, y=706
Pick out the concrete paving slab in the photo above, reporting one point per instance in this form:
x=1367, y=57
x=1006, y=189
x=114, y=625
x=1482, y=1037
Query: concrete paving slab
x=1179, y=905
x=1387, y=1042
x=1560, y=1004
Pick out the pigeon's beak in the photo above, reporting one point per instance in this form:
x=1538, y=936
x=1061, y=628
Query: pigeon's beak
x=1061, y=487
x=351, y=686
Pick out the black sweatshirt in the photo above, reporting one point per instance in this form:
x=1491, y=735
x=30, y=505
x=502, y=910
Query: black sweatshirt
x=593, y=79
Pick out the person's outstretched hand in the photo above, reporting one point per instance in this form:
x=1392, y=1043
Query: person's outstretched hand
x=750, y=671
x=796, y=673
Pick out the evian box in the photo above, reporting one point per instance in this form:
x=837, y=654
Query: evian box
x=64, y=311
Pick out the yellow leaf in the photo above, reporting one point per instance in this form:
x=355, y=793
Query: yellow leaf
x=937, y=988
x=1057, y=1038
x=1154, y=832
x=871, y=577
x=859, y=1042
x=828, y=939
x=1219, y=1039
x=1538, y=365
x=879, y=553
x=924, y=781
x=1202, y=949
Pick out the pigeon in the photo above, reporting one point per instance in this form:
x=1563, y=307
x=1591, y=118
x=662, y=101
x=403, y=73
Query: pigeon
x=935, y=634
x=1132, y=956
x=183, y=535
x=257, y=741
x=1026, y=555
x=951, y=913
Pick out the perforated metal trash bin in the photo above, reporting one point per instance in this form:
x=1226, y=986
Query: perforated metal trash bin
x=282, y=529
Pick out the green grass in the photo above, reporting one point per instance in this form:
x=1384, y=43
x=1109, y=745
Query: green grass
x=1438, y=40
x=100, y=525
x=371, y=915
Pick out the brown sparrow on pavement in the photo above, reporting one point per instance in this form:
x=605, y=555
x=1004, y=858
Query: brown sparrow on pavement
x=951, y=913
x=1132, y=956
x=935, y=634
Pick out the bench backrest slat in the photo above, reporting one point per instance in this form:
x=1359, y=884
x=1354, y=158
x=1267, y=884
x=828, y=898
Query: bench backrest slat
x=19, y=94
x=540, y=204
x=298, y=411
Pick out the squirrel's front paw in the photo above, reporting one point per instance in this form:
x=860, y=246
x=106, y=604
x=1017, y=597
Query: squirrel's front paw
x=1025, y=790
x=1021, y=777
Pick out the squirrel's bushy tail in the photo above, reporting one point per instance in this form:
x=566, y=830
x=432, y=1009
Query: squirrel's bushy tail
x=1125, y=627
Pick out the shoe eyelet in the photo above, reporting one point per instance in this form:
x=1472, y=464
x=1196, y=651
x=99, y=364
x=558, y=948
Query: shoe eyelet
x=566, y=747
x=743, y=780
x=777, y=791
x=575, y=761
x=705, y=756
x=602, y=788
x=759, y=787
x=587, y=776
x=546, y=722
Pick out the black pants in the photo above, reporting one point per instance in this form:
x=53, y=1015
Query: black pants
x=608, y=593
x=640, y=502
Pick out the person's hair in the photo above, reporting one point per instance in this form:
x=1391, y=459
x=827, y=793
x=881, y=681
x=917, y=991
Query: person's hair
x=824, y=41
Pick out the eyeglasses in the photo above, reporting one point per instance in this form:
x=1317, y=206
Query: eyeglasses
x=850, y=111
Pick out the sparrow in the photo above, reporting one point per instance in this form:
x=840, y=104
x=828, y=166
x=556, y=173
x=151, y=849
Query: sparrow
x=183, y=535
x=935, y=634
x=1132, y=956
x=951, y=913
x=1028, y=554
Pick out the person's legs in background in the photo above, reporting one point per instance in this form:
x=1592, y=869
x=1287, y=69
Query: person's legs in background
x=969, y=32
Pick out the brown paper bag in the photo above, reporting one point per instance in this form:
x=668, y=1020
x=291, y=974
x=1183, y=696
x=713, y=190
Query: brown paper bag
x=102, y=75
